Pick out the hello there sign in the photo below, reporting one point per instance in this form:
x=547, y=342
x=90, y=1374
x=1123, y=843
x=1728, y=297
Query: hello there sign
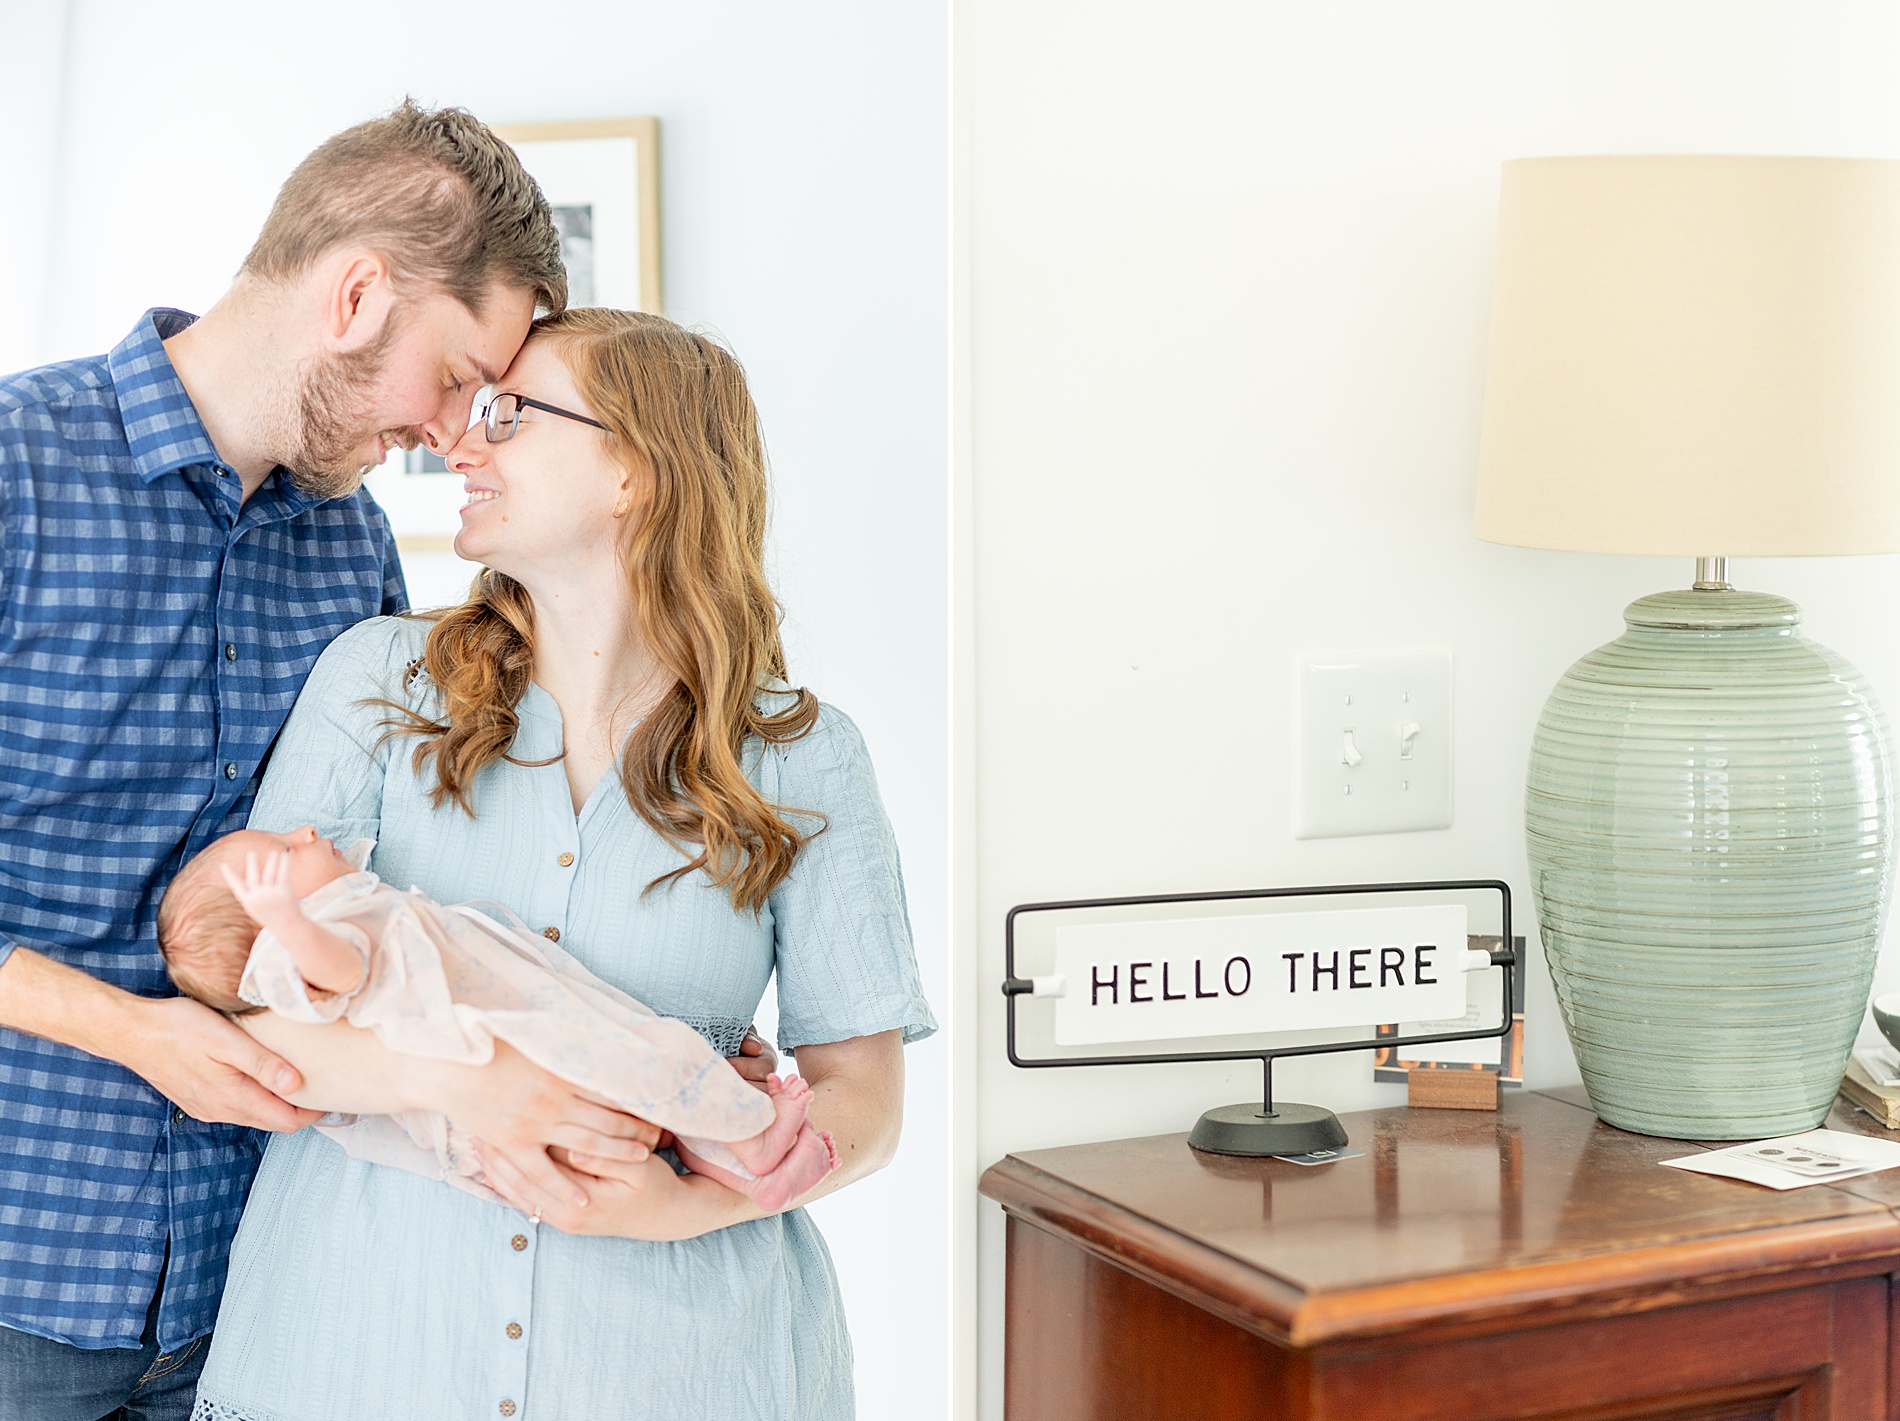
x=1225, y=976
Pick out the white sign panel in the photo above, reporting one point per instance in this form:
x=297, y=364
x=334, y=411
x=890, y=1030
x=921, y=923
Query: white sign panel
x=1158, y=980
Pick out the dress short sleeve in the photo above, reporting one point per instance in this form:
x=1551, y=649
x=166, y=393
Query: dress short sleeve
x=846, y=964
x=327, y=767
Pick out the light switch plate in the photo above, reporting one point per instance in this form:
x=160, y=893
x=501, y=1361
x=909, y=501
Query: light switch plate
x=1373, y=754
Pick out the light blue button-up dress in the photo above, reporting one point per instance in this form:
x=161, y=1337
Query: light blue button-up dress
x=362, y=1293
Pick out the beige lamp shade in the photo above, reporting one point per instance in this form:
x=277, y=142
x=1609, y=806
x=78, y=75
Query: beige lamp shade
x=1696, y=356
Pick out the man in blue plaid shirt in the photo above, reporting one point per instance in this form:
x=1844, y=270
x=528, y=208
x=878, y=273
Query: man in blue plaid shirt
x=182, y=531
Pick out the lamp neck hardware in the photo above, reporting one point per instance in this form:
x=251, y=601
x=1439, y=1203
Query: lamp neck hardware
x=1711, y=575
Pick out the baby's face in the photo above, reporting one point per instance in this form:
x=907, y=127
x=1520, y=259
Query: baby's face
x=314, y=860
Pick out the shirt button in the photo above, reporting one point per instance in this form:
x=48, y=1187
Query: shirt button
x=230, y=770
x=566, y=860
x=551, y=934
x=230, y=651
x=518, y=1242
x=507, y=1407
x=178, y=1115
x=514, y=1332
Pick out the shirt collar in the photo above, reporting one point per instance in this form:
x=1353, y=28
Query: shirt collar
x=162, y=427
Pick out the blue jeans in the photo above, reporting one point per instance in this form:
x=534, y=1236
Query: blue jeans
x=43, y=1380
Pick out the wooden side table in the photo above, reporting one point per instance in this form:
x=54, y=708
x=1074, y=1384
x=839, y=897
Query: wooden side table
x=1471, y=1266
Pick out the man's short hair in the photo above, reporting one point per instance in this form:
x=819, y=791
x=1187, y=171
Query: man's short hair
x=435, y=192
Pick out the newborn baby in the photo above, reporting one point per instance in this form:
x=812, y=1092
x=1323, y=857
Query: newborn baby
x=447, y=981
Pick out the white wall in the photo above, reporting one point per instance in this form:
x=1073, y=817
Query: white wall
x=805, y=202
x=32, y=74
x=1226, y=271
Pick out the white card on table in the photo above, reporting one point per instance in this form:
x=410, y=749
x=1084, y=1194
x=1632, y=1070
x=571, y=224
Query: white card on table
x=1791, y=1161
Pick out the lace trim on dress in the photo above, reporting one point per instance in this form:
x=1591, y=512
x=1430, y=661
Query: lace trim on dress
x=724, y=1033
x=216, y=1411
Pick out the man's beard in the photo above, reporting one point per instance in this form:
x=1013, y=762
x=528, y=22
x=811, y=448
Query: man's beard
x=333, y=402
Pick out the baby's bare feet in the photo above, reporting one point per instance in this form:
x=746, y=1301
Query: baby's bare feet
x=812, y=1156
x=791, y=1099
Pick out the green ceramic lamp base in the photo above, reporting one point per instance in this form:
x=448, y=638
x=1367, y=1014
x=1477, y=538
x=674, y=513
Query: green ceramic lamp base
x=1710, y=833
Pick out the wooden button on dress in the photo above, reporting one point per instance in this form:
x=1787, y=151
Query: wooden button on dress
x=518, y=1242
x=566, y=860
x=514, y=1332
x=551, y=934
x=507, y=1408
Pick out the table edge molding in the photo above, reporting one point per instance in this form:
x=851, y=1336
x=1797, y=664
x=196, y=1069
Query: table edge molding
x=1861, y=1243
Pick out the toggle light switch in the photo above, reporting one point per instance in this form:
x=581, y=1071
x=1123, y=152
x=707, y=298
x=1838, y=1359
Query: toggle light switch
x=1390, y=770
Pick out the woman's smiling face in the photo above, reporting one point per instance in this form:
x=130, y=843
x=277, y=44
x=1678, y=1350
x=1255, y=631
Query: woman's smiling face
x=545, y=500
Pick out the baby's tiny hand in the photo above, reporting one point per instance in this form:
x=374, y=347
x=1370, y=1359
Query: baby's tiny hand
x=264, y=890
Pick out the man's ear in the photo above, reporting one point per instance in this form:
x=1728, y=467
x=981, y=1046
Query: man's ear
x=357, y=301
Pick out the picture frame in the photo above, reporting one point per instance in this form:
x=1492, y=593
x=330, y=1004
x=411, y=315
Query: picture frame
x=1502, y=1057
x=602, y=179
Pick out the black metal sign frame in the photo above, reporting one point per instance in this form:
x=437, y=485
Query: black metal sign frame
x=1015, y=986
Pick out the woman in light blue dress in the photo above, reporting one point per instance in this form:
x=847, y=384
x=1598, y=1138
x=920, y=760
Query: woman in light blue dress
x=602, y=741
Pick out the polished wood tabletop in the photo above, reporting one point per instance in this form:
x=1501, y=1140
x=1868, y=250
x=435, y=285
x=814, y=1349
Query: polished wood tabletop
x=1455, y=1221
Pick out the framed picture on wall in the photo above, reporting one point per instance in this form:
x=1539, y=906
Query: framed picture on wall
x=602, y=179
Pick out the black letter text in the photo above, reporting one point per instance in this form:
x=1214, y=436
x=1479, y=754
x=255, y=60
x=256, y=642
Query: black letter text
x=1355, y=972
x=1332, y=971
x=1392, y=961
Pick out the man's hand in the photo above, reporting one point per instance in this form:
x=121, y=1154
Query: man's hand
x=188, y=1053
x=210, y=1069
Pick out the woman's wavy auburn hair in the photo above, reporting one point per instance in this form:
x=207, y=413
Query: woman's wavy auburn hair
x=680, y=419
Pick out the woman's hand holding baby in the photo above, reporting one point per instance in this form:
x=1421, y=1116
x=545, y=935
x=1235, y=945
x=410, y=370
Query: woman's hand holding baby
x=646, y=1200
x=756, y=1062
x=519, y=1111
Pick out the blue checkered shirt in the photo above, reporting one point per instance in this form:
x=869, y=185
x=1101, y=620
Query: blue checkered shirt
x=153, y=634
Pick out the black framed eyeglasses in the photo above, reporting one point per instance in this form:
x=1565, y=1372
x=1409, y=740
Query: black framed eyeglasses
x=501, y=417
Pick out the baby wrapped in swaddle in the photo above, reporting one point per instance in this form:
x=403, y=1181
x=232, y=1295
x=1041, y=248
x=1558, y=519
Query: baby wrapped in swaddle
x=286, y=922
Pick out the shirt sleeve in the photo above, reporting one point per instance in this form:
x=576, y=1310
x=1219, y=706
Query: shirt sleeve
x=327, y=767
x=841, y=929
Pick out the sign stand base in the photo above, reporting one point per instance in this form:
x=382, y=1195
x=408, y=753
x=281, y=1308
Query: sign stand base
x=1256, y=1130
